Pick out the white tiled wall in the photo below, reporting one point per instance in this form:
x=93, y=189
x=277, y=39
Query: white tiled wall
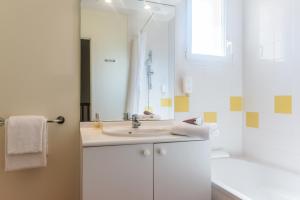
x=272, y=67
x=213, y=85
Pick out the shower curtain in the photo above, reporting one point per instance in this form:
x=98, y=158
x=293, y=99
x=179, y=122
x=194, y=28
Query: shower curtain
x=137, y=63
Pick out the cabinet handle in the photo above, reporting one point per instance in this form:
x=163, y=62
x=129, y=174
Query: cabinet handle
x=162, y=152
x=146, y=152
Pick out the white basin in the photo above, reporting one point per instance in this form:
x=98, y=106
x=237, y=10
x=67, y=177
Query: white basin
x=137, y=132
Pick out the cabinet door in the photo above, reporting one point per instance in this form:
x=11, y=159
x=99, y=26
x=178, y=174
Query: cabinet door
x=182, y=171
x=118, y=173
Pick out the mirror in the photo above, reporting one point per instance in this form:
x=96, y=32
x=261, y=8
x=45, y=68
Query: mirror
x=127, y=60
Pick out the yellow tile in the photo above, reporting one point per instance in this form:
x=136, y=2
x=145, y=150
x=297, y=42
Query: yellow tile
x=252, y=119
x=210, y=117
x=182, y=104
x=166, y=102
x=283, y=104
x=236, y=104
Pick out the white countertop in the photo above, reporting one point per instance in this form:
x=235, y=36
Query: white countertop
x=93, y=137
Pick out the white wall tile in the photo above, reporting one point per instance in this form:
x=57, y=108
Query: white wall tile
x=213, y=85
x=277, y=140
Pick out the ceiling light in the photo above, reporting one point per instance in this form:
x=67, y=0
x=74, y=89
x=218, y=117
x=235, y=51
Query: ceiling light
x=108, y=1
x=147, y=7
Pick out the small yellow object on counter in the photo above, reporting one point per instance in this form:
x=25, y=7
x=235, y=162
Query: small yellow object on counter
x=98, y=123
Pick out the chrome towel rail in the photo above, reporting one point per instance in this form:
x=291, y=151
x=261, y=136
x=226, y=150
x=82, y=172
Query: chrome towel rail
x=58, y=120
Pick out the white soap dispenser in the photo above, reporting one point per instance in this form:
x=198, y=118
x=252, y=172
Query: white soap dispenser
x=187, y=85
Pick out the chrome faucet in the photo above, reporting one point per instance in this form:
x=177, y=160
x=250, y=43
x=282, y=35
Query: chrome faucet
x=135, y=121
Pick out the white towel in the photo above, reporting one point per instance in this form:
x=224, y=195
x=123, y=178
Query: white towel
x=24, y=134
x=190, y=130
x=26, y=142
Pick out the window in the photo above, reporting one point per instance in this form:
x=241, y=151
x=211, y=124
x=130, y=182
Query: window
x=206, y=29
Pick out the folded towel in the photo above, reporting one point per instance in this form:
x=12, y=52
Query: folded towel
x=24, y=134
x=190, y=130
x=213, y=127
x=26, y=142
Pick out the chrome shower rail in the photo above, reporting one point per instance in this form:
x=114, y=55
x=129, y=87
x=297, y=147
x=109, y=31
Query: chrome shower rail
x=58, y=120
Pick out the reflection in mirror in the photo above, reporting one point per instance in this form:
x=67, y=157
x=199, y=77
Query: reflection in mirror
x=127, y=60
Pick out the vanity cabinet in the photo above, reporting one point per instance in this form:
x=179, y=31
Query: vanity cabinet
x=162, y=171
x=118, y=172
x=182, y=171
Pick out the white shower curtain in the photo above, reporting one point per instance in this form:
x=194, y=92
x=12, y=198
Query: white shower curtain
x=137, y=62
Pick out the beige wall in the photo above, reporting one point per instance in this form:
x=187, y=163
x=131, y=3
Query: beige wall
x=39, y=74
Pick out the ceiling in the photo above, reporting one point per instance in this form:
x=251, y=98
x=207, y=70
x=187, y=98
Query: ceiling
x=127, y=3
x=158, y=7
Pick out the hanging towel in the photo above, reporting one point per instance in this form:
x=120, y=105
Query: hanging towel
x=26, y=142
x=24, y=134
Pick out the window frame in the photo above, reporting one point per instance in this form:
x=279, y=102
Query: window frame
x=202, y=58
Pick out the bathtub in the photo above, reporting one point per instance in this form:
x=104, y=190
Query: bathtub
x=235, y=179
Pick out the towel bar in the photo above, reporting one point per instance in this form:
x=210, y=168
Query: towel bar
x=58, y=120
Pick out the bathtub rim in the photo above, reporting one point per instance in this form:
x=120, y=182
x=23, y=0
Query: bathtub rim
x=229, y=190
x=217, y=190
x=221, y=185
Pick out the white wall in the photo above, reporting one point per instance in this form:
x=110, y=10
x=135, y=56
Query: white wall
x=213, y=85
x=108, y=33
x=275, y=27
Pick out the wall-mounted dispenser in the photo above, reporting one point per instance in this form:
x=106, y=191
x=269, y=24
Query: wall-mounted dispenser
x=187, y=85
x=164, y=90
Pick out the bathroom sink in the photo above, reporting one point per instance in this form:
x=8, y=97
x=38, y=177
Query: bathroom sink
x=138, y=132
